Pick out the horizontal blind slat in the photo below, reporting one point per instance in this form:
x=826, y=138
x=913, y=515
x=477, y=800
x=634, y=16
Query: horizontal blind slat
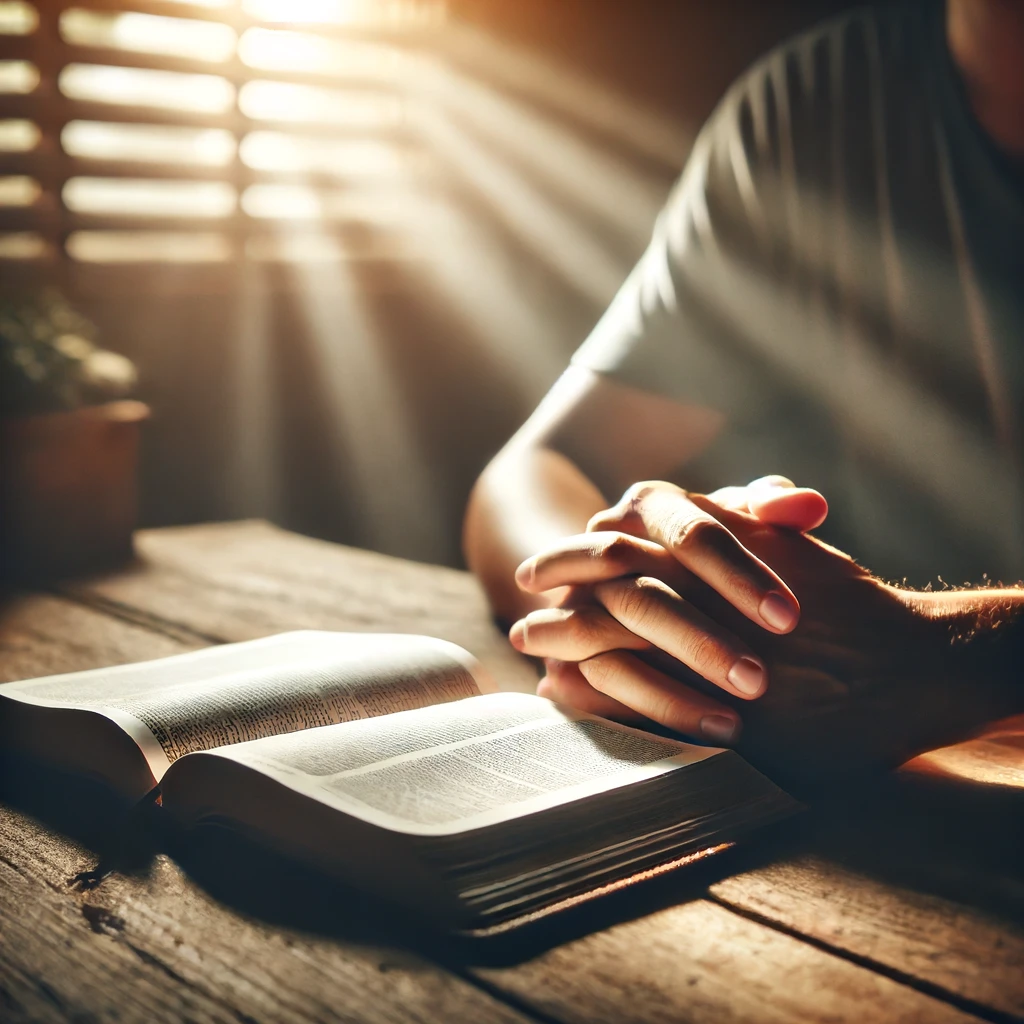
x=232, y=70
x=47, y=107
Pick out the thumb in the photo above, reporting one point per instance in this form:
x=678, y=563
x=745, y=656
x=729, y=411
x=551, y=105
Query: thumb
x=778, y=501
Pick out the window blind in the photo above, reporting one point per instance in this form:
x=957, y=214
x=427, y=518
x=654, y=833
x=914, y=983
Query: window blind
x=210, y=131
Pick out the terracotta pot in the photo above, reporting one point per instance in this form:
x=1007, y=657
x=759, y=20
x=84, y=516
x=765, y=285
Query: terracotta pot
x=69, y=490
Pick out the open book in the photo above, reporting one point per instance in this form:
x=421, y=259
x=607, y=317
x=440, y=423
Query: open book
x=389, y=761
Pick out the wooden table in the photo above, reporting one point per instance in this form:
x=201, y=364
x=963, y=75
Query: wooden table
x=904, y=903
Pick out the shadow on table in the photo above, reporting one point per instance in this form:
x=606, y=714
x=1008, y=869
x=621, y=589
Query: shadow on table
x=259, y=882
x=948, y=824
x=928, y=828
x=945, y=837
x=121, y=836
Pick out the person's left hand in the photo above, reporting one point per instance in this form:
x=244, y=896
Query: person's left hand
x=671, y=608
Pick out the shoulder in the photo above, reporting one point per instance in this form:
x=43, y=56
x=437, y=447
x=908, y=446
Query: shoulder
x=790, y=126
x=831, y=68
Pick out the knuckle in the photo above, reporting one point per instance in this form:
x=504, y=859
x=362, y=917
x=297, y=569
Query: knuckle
x=635, y=601
x=635, y=492
x=620, y=552
x=696, y=533
x=603, y=520
x=601, y=671
x=670, y=711
x=558, y=673
x=705, y=653
x=741, y=582
x=633, y=499
x=629, y=600
x=580, y=626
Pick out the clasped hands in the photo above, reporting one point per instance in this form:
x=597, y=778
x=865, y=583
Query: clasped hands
x=719, y=618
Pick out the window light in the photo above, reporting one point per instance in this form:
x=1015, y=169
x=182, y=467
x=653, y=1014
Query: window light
x=169, y=90
x=146, y=143
x=17, y=18
x=147, y=33
x=18, y=190
x=18, y=76
x=18, y=136
x=150, y=198
x=288, y=102
x=22, y=245
x=148, y=247
x=279, y=50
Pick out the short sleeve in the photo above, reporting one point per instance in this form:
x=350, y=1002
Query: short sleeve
x=697, y=319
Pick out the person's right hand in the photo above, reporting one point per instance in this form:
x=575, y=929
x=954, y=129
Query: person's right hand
x=872, y=675
x=652, y=575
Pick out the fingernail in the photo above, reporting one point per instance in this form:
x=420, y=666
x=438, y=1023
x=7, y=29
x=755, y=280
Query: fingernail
x=778, y=611
x=517, y=635
x=771, y=483
x=719, y=728
x=525, y=573
x=747, y=676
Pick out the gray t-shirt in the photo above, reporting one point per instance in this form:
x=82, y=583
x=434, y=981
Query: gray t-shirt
x=840, y=271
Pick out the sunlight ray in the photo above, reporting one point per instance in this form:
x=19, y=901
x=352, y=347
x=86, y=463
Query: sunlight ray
x=584, y=99
x=567, y=248
x=581, y=174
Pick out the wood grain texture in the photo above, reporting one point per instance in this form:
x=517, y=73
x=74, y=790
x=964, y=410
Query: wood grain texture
x=959, y=949
x=699, y=961
x=157, y=948
x=43, y=635
x=55, y=967
x=699, y=964
x=238, y=581
x=242, y=580
x=154, y=946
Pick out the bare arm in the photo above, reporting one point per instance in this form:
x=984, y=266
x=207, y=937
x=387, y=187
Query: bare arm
x=588, y=440
x=528, y=498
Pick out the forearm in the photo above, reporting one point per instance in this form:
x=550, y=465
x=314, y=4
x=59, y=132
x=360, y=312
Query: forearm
x=589, y=439
x=527, y=498
x=985, y=631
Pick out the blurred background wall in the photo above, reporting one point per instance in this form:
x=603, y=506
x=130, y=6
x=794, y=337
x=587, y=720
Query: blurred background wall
x=348, y=243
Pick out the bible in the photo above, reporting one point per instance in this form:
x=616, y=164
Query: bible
x=393, y=763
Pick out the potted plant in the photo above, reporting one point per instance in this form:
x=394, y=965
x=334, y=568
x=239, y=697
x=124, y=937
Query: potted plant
x=69, y=442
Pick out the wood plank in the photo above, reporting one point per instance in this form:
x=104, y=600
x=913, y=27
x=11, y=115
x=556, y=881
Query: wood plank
x=238, y=581
x=41, y=635
x=964, y=951
x=693, y=963
x=54, y=967
x=698, y=963
x=157, y=947
x=153, y=946
x=247, y=579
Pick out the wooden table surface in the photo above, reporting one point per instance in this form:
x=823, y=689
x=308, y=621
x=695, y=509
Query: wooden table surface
x=901, y=903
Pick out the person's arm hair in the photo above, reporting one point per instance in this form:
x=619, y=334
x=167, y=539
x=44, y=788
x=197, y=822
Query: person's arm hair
x=986, y=641
x=587, y=441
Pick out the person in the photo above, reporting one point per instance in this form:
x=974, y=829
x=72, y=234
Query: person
x=833, y=292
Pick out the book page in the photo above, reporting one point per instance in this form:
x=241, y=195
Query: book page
x=241, y=692
x=466, y=765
